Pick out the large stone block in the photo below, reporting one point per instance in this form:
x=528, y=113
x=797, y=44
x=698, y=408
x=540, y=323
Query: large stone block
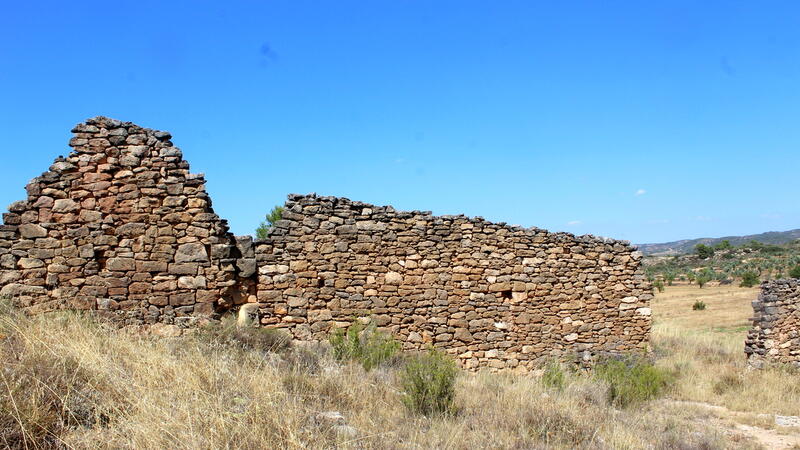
x=191, y=252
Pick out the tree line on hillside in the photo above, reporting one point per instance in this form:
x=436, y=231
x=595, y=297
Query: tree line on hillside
x=749, y=263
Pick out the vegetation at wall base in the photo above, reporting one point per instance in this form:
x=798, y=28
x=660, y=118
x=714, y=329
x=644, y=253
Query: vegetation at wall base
x=365, y=344
x=553, y=376
x=70, y=382
x=250, y=338
x=428, y=382
x=749, y=279
x=632, y=381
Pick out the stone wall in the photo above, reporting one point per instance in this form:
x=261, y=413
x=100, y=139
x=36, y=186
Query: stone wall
x=775, y=336
x=119, y=226
x=122, y=228
x=491, y=294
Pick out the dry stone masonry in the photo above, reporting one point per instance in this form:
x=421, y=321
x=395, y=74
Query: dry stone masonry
x=122, y=228
x=775, y=335
x=491, y=294
x=119, y=226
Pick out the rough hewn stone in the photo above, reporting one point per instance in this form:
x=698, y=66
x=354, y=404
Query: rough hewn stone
x=479, y=290
x=122, y=227
x=775, y=335
x=96, y=225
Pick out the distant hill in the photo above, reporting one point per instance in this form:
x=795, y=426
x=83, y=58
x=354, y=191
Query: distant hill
x=687, y=245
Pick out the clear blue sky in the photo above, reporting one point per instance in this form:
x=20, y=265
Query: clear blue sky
x=648, y=121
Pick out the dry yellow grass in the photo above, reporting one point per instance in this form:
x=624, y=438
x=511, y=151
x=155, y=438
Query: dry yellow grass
x=707, y=349
x=70, y=382
x=728, y=308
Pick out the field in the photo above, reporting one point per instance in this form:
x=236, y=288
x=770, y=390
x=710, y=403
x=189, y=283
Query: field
x=68, y=382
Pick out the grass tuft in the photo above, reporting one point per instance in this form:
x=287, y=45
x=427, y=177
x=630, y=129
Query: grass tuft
x=365, y=344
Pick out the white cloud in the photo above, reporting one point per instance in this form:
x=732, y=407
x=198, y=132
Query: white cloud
x=702, y=218
x=574, y=222
x=640, y=192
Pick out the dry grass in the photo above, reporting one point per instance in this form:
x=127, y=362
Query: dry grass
x=707, y=349
x=68, y=382
x=727, y=308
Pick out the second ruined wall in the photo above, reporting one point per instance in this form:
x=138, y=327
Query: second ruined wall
x=775, y=335
x=491, y=294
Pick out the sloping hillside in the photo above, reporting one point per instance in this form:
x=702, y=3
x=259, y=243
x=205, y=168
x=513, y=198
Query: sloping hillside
x=687, y=245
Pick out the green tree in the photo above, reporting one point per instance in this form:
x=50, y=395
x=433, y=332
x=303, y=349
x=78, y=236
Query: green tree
x=724, y=245
x=749, y=279
x=703, y=251
x=275, y=215
x=795, y=272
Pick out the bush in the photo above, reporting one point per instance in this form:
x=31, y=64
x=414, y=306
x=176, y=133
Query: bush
x=631, y=381
x=251, y=338
x=749, y=279
x=795, y=272
x=659, y=285
x=703, y=251
x=723, y=245
x=702, y=279
x=428, y=382
x=366, y=345
x=699, y=305
x=275, y=215
x=553, y=376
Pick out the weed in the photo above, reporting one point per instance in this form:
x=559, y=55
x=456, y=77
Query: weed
x=631, y=381
x=249, y=338
x=699, y=305
x=428, y=382
x=366, y=345
x=553, y=376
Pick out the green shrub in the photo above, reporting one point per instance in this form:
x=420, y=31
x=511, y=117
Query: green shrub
x=275, y=215
x=366, y=345
x=251, y=338
x=699, y=305
x=702, y=279
x=428, y=382
x=659, y=285
x=795, y=272
x=703, y=251
x=749, y=279
x=631, y=381
x=723, y=245
x=553, y=376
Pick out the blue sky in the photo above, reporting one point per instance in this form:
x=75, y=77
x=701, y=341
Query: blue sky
x=646, y=121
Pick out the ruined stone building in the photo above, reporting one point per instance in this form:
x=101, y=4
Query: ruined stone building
x=775, y=335
x=122, y=228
